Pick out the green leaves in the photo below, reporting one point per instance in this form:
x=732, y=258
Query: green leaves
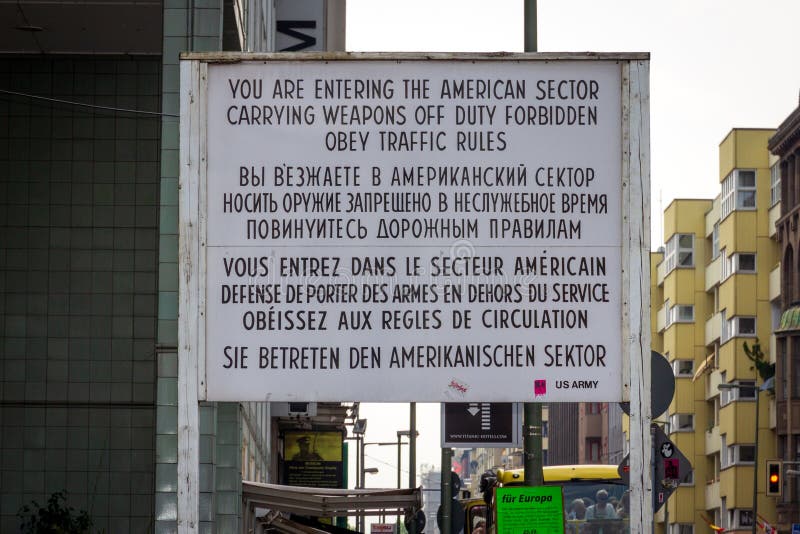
x=765, y=369
x=55, y=518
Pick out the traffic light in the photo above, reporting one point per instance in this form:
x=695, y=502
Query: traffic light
x=774, y=476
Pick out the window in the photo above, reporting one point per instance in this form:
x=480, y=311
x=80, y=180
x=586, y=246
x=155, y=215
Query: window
x=738, y=327
x=681, y=528
x=681, y=422
x=744, y=326
x=740, y=262
x=726, y=265
x=683, y=368
x=740, y=518
x=715, y=242
x=667, y=314
x=723, y=455
x=680, y=252
x=727, y=196
x=593, y=449
x=725, y=330
x=774, y=184
x=738, y=454
x=680, y=313
x=684, y=313
x=745, y=190
x=739, y=191
x=746, y=390
x=747, y=453
x=544, y=429
x=745, y=263
x=688, y=479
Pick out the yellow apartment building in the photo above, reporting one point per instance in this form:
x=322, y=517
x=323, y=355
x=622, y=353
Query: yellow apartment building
x=716, y=289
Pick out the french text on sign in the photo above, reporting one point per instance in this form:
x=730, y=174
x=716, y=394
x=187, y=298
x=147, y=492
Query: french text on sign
x=430, y=223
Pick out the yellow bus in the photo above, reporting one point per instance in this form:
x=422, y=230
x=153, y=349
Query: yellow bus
x=596, y=499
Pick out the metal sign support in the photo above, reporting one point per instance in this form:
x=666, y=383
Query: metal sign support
x=190, y=342
x=532, y=419
x=636, y=284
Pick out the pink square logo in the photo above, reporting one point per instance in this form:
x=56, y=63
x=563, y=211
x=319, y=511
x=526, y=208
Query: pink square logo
x=539, y=387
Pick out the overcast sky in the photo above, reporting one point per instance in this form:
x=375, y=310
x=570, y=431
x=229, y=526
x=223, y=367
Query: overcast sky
x=715, y=65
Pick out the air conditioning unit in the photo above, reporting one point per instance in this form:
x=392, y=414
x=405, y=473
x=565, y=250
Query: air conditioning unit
x=294, y=409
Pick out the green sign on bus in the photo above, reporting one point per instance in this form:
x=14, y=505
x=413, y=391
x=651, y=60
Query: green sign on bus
x=530, y=510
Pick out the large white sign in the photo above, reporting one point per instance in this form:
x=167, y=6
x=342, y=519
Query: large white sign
x=427, y=230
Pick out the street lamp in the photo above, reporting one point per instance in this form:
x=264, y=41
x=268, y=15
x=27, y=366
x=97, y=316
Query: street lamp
x=362, y=456
x=370, y=469
x=755, y=444
x=400, y=434
x=362, y=472
x=359, y=429
x=399, y=443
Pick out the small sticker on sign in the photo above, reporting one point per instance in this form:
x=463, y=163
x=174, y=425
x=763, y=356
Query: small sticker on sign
x=456, y=389
x=539, y=387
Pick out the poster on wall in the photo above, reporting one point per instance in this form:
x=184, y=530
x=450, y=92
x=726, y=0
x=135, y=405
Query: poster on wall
x=313, y=459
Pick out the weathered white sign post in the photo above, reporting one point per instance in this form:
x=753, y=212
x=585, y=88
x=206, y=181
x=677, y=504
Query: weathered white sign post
x=415, y=227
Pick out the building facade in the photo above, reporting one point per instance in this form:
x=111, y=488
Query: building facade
x=785, y=145
x=716, y=298
x=586, y=433
x=564, y=424
x=79, y=235
x=89, y=170
x=89, y=106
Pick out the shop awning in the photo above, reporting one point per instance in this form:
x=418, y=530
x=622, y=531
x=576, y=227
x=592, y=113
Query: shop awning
x=790, y=320
x=323, y=502
x=279, y=501
x=707, y=365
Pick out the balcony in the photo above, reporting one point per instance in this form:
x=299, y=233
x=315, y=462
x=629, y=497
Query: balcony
x=713, y=442
x=773, y=415
x=775, y=283
x=774, y=215
x=661, y=272
x=661, y=319
x=713, y=499
x=713, y=328
x=712, y=216
x=713, y=273
x=713, y=380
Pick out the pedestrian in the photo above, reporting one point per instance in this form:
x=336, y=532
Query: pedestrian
x=601, y=509
x=578, y=510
